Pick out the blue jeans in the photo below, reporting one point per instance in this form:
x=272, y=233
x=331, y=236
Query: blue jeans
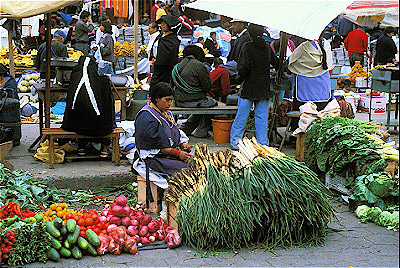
x=261, y=120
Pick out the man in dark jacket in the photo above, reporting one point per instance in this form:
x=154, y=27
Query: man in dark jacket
x=385, y=47
x=58, y=49
x=82, y=29
x=242, y=37
x=167, y=49
x=176, y=9
x=212, y=45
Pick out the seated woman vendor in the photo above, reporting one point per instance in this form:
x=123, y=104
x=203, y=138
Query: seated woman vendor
x=162, y=146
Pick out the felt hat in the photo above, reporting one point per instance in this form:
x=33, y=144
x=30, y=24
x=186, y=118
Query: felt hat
x=236, y=20
x=172, y=21
x=60, y=33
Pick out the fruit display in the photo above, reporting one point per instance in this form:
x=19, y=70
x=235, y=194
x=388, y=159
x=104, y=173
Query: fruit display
x=27, y=60
x=25, y=83
x=125, y=49
x=74, y=54
x=57, y=211
x=357, y=71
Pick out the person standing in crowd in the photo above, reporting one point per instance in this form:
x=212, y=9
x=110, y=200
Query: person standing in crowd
x=106, y=43
x=71, y=33
x=161, y=11
x=212, y=45
x=58, y=49
x=242, y=37
x=82, y=29
x=254, y=71
x=176, y=9
x=220, y=81
x=153, y=34
x=145, y=20
x=356, y=45
x=385, y=47
x=153, y=11
x=310, y=63
x=164, y=52
x=200, y=42
x=99, y=32
x=192, y=82
x=344, y=27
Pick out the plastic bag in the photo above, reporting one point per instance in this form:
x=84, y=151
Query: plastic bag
x=42, y=153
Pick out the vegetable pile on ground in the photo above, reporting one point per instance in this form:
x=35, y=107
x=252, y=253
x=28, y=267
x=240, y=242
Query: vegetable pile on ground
x=343, y=147
x=231, y=199
x=388, y=218
x=18, y=186
x=376, y=189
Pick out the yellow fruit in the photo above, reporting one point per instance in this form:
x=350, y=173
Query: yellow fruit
x=53, y=206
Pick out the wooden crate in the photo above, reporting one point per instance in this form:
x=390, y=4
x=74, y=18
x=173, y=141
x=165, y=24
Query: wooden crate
x=171, y=215
x=154, y=207
x=300, y=147
x=392, y=167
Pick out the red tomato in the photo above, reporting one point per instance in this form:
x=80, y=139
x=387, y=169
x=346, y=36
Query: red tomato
x=82, y=233
x=89, y=221
x=75, y=217
x=97, y=230
x=83, y=228
x=69, y=216
x=81, y=222
x=95, y=217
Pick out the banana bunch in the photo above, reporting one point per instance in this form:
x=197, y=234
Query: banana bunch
x=19, y=60
x=386, y=149
x=74, y=54
x=130, y=92
x=125, y=50
x=357, y=71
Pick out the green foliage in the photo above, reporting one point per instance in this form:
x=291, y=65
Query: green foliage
x=276, y=202
x=376, y=189
x=362, y=212
x=338, y=146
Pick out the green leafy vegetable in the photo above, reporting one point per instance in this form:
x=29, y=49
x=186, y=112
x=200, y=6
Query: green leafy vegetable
x=384, y=219
x=362, y=212
x=394, y=219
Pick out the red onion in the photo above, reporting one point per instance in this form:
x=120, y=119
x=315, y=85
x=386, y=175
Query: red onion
x=121, y=200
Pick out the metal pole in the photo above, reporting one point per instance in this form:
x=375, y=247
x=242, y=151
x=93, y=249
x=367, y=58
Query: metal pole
x=11, y=53
x=136, y=38
x=48, y=56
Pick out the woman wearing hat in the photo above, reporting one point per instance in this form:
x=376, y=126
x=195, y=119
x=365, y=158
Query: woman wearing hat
x=164, y=52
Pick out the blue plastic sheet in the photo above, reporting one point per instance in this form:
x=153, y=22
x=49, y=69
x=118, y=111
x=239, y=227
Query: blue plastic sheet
x=205, y=31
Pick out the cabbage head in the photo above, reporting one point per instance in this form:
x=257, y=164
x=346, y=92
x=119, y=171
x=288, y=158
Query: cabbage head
x=381, y=184
x=362, y=212
x=374, y=213
x=384, y=219
x=394, y=219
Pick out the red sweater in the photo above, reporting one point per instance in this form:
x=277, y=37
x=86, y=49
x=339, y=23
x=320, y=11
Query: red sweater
x=220, y=83
x=356, y=42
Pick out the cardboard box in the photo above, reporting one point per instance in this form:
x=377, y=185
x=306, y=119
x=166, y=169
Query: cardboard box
x=378, y=104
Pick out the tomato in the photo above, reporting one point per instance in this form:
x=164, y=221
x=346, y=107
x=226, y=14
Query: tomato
x=89, y=221
x=95, y=217
x=82, y=233
x=97, y=230
x=83, y=228
x=103, y=231
x=81, y=222
x=75, y=217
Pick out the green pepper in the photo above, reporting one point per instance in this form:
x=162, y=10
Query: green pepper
x=9, y=221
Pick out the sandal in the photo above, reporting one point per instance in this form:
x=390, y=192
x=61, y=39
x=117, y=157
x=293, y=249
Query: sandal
x=81, y=152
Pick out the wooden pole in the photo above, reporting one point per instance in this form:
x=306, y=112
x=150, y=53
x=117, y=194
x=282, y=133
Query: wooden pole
x=48, y=56
x=11, y=53
x=136, y=37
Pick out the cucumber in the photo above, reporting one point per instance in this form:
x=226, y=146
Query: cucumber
x=64, y=229
x=55, y=243
x=58, y=222
x=76, y=253
x=74, y=236
x=71, y=225
x=65, y=252
x=67, y=244
x=53, y=254
x=93, y=238
x=51, y=229
x=82, y=243
x=91, y=250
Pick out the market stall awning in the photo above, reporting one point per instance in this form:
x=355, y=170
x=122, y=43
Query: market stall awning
x=369, y=13
x=25, y=9
x=302, y=18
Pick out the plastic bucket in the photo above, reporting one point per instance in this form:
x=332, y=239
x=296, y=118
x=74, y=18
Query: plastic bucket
x=222, y=129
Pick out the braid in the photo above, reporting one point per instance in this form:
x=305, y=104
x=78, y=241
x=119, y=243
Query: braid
x=324, y=64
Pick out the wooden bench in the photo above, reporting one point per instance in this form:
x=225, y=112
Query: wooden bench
x=57, y=133
x=220, y=109
x=155, y=206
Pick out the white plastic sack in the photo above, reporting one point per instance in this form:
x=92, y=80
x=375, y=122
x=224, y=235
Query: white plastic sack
x=309, y=113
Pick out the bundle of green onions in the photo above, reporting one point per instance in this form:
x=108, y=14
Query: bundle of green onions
x=255, y=195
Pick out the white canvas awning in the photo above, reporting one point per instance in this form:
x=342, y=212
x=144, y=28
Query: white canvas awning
x=24, y=9
x=302, y=18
